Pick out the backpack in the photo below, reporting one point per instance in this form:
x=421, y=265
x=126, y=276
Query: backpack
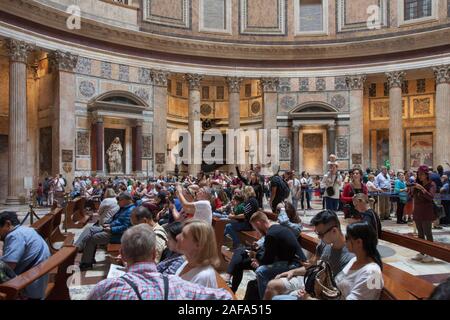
x=319, y=282
x=284, y=187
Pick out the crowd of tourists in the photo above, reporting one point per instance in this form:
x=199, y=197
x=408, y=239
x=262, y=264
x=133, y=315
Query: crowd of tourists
x=168, y=244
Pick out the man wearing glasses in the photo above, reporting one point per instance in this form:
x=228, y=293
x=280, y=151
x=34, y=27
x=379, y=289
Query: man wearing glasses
x=331, y=249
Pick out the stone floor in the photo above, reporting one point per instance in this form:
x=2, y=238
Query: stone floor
x=82, y=282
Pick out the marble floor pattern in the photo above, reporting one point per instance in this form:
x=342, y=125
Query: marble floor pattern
x=81, y=283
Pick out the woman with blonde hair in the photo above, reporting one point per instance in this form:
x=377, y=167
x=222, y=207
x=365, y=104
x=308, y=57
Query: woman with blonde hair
x=197, y=242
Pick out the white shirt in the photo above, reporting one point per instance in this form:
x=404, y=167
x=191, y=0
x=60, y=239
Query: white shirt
x=203, y=211
x=371, y=187
x=331, y=181
x=205, y=276
x=365, y=283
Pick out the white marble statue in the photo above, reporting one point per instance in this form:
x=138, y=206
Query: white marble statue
x=114, y=153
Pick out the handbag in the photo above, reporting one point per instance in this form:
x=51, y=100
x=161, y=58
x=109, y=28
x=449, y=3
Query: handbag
x=330, y=190
x=319, y=282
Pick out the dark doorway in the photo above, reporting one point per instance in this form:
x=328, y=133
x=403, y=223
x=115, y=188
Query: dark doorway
x=110, y=135
x=3, y=166
x=45, y=151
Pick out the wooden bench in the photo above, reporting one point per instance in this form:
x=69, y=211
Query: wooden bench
x=57, y=286
x=219, y=231
x=76, y=216
x=48, y=228
x=221, y=283
x=437, y=250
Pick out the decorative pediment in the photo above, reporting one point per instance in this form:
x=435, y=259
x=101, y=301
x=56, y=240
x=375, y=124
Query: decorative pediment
x=314, y=110
x=118, y=102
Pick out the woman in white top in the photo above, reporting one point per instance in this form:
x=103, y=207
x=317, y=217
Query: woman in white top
x=197, y=243
x=361, y=278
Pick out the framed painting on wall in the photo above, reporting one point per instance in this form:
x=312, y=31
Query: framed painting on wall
x=421, y=106
x=379, y=108
x=420, y=149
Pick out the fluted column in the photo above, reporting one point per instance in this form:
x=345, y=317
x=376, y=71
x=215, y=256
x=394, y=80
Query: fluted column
x=331, y=138
x=296, y=154
x=396, y=147
x=234, y=115
x=17, y=138
x=137, y=147
x=194, y=124
x=356, y=85
x=269, y=88
x=159, y=80
x=442, y=114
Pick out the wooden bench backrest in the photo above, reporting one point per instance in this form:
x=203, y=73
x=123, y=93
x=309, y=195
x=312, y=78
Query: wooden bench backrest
x=60, y=260
x=222, y=284
x=437, y=250
x=44, y=226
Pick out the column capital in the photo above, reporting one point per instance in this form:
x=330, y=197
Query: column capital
x=138, y=122
x=356, y=82
x=193, y=80
x=95, y=118
x=442, y=73
x=296, y=128
x=395, y=78
x=63, y=61
x=331, y=126
x=18, y=50
x=269, y=84
x=159, y=77
x=234, y=84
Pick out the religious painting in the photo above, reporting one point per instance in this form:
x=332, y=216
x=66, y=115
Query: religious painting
x=160, y=158
x=422, y=106
x=313, y=153
x=379, y=109
x=67, y=155
x=420, y=149
x=382, y=147
x=356, y=158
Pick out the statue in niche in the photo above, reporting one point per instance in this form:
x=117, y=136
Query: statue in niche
x=114, y=153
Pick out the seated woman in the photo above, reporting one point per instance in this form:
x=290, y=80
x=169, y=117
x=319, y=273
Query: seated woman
x=361, y=278
x=241, y=221
x=289, y=217
x=364, y=213
x=171, y=259
x=108, y=207
x=197, y=243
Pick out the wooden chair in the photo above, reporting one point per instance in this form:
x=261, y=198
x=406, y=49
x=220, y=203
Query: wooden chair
x=76, y=216
x=56, y=288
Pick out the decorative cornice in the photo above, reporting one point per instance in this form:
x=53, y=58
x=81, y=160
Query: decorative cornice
x=442, y=74
x=395, y=79
x=63, y=61
x=269, y=84
x=234, y=84
x=193, y=80
x=159, y=77
x=356, y=82
x=18, y=50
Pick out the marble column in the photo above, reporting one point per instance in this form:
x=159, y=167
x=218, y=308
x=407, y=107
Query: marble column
x=64, y=121
x=442, y=115
x=99, y=141
x=356, y=85
x=269, y=88
x=160, y=106
x=194, y=124
x=234, y=115
x=331, y=138
x=296, y=152
x=137, y=147
x=396, y=145
x=17, y=136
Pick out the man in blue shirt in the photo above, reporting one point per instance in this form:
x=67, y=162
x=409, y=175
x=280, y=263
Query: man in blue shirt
x=23, y=249
x=109, y=233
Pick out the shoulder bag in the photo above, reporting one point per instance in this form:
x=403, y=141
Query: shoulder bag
x=319, y=282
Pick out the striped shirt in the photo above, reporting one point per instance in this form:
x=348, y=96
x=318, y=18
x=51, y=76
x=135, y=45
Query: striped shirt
x=150, y=285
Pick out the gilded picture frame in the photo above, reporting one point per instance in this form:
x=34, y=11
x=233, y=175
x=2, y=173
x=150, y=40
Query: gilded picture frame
x=421, y=106
x=379, y=108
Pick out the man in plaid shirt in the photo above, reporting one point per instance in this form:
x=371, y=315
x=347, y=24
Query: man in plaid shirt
x=142, y=280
